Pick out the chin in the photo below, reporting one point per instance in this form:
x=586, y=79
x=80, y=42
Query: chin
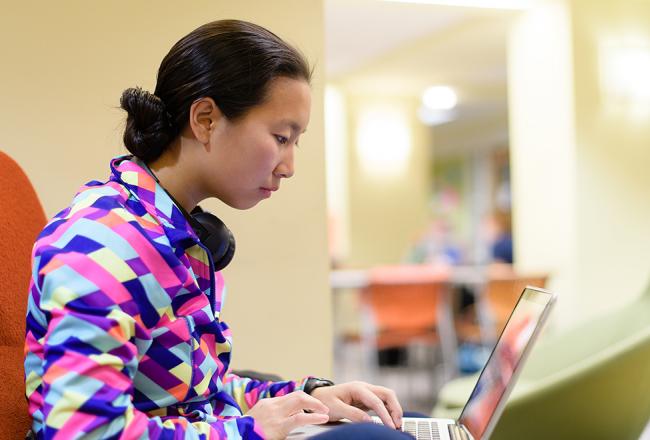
x=241, y=205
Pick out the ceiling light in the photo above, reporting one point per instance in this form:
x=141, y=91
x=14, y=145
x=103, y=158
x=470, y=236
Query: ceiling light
x=383, y=141
x=439, y=98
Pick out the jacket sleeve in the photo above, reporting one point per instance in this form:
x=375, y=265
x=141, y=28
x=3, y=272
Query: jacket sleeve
x=247, y=391
x=88, y=349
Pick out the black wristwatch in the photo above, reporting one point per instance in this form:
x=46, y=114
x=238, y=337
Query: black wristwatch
x=316, y=382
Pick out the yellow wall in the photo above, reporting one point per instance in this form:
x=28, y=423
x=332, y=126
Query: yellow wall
x=580, y=166
x=387, y=214
x=612, y=152
x=542, y=149
x=63, y=70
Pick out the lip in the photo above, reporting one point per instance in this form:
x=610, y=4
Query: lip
x=266, y=192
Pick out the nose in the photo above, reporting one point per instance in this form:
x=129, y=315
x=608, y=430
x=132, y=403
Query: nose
x=285, y=167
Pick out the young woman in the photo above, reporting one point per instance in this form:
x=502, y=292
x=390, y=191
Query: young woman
x=124, y=337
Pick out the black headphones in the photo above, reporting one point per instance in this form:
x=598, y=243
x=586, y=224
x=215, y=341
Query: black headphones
x=212, y=232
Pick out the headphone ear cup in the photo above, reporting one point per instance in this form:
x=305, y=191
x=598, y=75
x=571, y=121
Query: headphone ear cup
x=228, y=256
x=216, y=236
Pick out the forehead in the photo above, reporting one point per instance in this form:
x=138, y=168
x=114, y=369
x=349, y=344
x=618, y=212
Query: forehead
x=287, y=102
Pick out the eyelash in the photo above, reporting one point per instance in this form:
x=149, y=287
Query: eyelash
x=282, y=140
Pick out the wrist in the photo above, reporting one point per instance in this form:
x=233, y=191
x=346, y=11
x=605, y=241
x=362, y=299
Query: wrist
x=314, y=383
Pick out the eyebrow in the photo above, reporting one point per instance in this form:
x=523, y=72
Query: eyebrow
x=294, y=126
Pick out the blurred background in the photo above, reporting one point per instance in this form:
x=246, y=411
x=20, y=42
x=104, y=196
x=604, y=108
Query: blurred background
x=503, y=143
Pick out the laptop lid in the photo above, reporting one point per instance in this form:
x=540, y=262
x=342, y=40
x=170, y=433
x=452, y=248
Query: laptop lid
x=498, y=377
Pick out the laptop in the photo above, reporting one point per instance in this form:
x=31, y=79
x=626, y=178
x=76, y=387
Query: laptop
x=496, y=381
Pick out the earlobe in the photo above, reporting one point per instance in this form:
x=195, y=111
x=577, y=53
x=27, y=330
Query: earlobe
x=204, y=115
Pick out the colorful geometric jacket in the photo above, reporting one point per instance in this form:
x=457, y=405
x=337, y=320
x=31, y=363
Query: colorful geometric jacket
x=123, y=334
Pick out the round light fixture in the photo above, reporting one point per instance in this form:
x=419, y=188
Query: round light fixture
x=439, y=98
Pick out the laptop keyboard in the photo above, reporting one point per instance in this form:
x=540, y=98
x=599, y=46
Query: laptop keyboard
x=420, y=429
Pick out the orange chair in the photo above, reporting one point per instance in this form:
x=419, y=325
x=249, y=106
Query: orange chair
x=498, y=292
x=406, y=305
x=21, y=219
x=502, y=292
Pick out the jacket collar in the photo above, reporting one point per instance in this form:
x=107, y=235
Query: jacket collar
x=140, y=182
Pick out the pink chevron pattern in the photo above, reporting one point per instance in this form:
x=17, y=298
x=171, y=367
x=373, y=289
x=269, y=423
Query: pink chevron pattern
x=123, y=334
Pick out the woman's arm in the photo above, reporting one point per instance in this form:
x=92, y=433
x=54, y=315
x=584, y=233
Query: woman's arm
x=247, y=392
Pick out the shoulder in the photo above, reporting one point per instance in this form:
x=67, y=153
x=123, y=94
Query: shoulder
x=102, y=218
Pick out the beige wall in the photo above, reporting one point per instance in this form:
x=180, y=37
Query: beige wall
x=612, y=154
x=63, y=70
x=542, y=153
x=580, y=167
x=387, y=214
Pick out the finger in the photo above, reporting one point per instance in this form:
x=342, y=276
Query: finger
x=371, y=401
x=299, y=401
x=392, y=404
x=303, y=418
x=351, y=413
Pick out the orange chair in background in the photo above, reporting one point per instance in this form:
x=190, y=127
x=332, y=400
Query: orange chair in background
x=502, y=290
x=406, y=305
x=21, y=219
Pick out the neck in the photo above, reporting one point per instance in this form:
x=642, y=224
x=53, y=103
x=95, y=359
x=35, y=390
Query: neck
x=174, y=173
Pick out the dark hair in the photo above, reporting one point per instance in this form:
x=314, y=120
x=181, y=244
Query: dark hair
x=230, y=61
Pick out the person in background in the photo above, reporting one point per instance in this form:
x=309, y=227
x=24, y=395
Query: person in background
x=124, y=337
x=436, y=245
x=501, y=248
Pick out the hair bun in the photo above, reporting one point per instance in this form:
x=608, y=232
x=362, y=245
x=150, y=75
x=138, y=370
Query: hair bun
x=148, y=126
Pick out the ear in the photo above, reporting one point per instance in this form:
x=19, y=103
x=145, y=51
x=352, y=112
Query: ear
x=204, y=115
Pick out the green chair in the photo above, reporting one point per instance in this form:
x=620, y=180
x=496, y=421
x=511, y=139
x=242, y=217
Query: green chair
x=590, y=382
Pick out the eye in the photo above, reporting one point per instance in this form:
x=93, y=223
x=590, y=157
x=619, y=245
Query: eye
x=282, y=140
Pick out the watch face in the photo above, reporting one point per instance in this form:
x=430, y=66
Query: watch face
x=316, y=382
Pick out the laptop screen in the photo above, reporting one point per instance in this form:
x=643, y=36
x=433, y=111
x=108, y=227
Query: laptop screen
x=496, y=377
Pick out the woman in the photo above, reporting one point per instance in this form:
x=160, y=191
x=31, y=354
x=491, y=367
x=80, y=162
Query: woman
x=124, y=337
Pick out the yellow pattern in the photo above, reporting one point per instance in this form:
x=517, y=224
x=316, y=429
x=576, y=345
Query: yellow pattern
x=108, y=360
x=202, y=386
x=64, y=408
x=32, y=382
x=60, y=295
x=118, y=268
x=182, y=371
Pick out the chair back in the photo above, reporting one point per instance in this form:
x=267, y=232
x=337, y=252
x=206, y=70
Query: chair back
x=21, y=219
x=502, y=291
x=405, y=303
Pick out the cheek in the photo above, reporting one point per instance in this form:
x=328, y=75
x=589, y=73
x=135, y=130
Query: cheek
x=264, y=157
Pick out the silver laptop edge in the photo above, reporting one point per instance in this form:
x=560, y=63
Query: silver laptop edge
x=496, y=415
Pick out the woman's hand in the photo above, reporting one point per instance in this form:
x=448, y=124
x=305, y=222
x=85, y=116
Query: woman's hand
x=278, y=416
x=350, y=400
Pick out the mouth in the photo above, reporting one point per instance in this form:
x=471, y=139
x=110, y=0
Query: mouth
x=266, y=192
